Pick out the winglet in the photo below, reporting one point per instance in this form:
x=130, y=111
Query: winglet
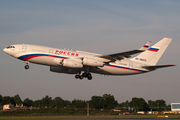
x=146, y=46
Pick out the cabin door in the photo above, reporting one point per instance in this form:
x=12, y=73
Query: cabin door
x=24, y=48
x=50, y=52
x=131, y=65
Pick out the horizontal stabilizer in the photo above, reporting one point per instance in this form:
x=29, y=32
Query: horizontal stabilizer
x=157, y=66
x=146, y=46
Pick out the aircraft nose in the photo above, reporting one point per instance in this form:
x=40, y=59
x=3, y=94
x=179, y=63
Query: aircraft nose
x=5, y=50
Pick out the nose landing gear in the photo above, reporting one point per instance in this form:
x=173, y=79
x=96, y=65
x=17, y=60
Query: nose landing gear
x=26, y=66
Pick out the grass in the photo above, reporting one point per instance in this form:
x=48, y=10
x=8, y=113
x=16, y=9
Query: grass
x=86, y=117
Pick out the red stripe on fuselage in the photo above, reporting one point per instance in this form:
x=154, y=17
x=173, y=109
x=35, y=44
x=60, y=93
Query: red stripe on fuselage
x=124, y=68
x=30, y=57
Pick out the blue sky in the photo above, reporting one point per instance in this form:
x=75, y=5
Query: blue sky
x=100, y=26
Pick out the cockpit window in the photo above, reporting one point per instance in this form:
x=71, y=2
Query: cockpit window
x=10, y=47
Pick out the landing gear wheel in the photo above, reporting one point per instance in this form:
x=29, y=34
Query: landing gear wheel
x=84, y=75
x=81, y=77
x=77, y=76
x=26, y=67
x=90, y=78
x=89, y=75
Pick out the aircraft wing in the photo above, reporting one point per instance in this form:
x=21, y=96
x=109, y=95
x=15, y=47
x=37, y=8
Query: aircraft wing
x=157, y=66
x=120, y=56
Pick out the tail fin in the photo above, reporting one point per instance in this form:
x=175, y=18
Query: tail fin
x=153, y=54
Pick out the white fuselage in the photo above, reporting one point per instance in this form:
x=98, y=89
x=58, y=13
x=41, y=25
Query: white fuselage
x=51, y=56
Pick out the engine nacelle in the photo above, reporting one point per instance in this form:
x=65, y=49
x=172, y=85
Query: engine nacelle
x=92, y=62
x=71, y=63
x=63, y=70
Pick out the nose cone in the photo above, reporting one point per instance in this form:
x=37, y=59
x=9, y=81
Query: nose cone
x=7, y=50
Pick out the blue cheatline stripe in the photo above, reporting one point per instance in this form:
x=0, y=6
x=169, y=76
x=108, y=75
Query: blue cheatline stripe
x=153, y=49
x=115, y=66
x=30, y=56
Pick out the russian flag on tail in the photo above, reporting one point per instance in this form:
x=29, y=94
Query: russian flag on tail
x=154, y=49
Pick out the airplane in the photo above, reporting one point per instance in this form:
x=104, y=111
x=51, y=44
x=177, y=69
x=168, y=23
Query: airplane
x=74, y=62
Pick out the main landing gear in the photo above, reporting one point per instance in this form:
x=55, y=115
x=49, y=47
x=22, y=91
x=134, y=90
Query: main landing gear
x=84, y=75
x=26, y=66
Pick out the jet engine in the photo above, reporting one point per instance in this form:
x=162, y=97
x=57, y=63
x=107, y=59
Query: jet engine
x=92, y=62
x=63, y=70
x=71, y=63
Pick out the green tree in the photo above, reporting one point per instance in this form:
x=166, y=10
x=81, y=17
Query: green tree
x=58, y=102
x=109, y=101
x=124, y=104
x=8, y=100
x=152, y=103
x=1, y=99
x=160, y=104
x=66, y=103
x=17, y=99
x=46, y=101
x=157, y=104
x=78, y=103
x=28, y=102
x=97, y=102
x=37, y=103
x=52, y=104
x=139, y=104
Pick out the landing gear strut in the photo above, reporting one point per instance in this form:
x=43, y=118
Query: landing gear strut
x=84, y=75
x=26, y=66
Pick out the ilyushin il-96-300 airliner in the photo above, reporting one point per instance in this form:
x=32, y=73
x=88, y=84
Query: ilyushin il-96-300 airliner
x=74, y=62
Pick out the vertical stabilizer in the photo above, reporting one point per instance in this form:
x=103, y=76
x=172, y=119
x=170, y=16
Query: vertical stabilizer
x=153, y=54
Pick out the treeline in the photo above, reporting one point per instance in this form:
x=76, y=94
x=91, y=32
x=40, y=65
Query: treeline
x=105, y=102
